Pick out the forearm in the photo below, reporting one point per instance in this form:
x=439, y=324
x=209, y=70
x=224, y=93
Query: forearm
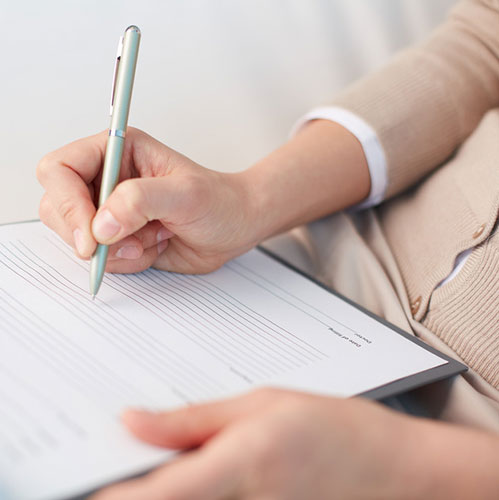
x=427, y=101
x=318, y=172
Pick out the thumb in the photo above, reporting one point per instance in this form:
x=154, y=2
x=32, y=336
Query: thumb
x=133, y=204
x=192, y=426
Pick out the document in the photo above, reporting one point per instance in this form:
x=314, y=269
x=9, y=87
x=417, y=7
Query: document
x=69, y=365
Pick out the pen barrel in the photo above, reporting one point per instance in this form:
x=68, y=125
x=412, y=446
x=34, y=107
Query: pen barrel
x=122, y=96
x=112, y=166
x=120, y=105
x=124, y=79
x=97, y=267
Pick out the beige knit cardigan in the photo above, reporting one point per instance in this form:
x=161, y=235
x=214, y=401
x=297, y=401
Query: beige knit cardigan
x=435, y=110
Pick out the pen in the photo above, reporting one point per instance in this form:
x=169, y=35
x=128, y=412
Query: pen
x=124, y=72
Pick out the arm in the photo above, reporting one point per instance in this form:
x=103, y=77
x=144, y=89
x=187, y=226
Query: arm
x=431, y=97
x=422, y=107
x=321, y=170
x=170, y=212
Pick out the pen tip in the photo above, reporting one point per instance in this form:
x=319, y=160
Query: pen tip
x=93, y=297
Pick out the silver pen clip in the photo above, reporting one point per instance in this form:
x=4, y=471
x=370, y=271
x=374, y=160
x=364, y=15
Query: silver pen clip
x=116, y=66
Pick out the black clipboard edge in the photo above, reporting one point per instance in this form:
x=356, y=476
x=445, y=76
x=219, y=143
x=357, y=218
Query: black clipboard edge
x=452, y=368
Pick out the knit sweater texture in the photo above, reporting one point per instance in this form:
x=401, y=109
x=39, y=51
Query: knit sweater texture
x=435, y=109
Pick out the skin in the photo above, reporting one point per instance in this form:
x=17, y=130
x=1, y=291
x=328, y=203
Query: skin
x=274, y=444
x=210, y=217
x=173, y=214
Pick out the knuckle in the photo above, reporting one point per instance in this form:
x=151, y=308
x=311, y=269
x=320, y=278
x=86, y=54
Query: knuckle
x=67, y=209
x=43, y=167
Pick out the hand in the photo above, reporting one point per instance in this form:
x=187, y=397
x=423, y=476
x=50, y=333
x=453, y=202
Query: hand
x=274, y=444
x=176, y=215
x=167, y=211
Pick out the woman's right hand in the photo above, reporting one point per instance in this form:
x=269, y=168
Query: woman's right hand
x=166, y=211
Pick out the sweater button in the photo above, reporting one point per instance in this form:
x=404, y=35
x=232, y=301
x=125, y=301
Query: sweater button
x=416, y=305
x=479, y=232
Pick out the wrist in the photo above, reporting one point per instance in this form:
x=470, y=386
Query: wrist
x=253, y=200
x=321, y=170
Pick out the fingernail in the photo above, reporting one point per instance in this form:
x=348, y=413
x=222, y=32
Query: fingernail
x=79, y=241
x=105, y=226
x=163, y=234
x=162, y=246
x=129, y=252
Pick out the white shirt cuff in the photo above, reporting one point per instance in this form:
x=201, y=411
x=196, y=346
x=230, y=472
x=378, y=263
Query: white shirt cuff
x=373, y=151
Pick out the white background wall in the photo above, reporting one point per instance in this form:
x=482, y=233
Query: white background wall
x=221, y=80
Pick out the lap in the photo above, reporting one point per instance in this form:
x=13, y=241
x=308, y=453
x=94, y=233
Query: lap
x=348, y=252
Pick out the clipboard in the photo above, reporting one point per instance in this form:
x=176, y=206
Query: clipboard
x=449, y=368
x=452, y=367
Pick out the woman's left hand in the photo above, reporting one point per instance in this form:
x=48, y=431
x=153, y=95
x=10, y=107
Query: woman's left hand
x=273, y=444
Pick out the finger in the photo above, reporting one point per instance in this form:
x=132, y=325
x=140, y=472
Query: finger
x=84, y=156
x=182, y=258
x=65, y=174
x=132, y=246
x=51, y=218
x=132, y=265
x=193, y=425
x=135, y=202
x=212, y=473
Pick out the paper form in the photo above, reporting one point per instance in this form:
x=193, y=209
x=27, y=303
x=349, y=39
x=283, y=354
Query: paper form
x=158, y=340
